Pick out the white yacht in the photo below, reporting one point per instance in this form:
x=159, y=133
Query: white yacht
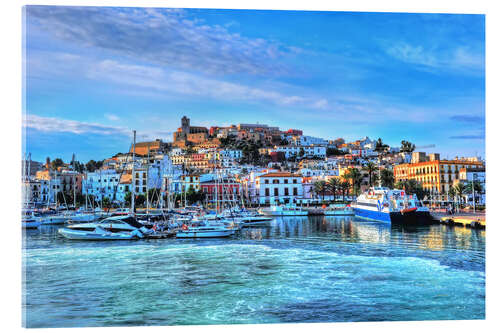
x=113, y=224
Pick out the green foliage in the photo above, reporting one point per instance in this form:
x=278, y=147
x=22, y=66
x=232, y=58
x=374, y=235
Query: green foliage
x=92, y=165
x=355, y=177
x=193, y=196
x=380, y=146
x=407, y=147
x=106, y=203
x=140, y=200
x=333, y=185
x=334, y=152
x=478, y=188
x=344, y=187
x=128, y=198
x=370, y=168
x=320, y=187
x=412, y=187
x=56, y=163
x=387, y=178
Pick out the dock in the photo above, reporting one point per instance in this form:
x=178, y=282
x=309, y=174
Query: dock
x=469, y=220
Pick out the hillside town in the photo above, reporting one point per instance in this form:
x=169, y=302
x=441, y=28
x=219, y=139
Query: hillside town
x=252, y=165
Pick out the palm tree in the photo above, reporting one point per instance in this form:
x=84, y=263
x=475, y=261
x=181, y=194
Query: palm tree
x=380, y=148
x=333, y=185
x=320, y=187
x=387, y=178
x=407, y=147
x=355, y=176
x=370, y=168
x=460, y=189
x=344, y=187
x=478, y=190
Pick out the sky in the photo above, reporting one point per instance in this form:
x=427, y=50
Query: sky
x=93, y=74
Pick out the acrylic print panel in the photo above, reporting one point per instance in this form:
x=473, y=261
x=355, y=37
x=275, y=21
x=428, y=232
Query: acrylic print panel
x=203, y=166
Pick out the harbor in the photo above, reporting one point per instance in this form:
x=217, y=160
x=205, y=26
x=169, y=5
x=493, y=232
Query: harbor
x=298, y=269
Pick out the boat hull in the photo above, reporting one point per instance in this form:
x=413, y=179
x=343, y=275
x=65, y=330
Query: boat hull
x=387, y=217
x=31, y=224
x=284, y=212
x=88, y=235
x=340, y=212
x=51, y=220
x=204, y=234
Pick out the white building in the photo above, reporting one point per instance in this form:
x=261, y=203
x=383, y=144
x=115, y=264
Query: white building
x=278, y=187
x=309, y=151
x=305, y=140
x=101, y=183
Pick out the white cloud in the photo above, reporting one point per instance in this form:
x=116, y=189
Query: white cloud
x=166, y=37
x=59, y=125
x=184, y=83
x=111, y=117
x=50, y=124
x=434, y=58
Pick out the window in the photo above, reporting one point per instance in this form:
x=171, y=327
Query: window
x=276, y=192
x=267, y=192
x=266, y=181
x=144, y=174
x=286, y=181
x=295, y=191
x=286, y=191
x=143, y=189
x=295, y=181
x=276, y=181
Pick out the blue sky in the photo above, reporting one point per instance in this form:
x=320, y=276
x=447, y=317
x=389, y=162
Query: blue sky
x=93, y=74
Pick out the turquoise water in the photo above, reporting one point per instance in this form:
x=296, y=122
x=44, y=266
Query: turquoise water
x=301, y=269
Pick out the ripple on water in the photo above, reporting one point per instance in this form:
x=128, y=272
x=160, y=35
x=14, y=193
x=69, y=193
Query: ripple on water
x=324, y=270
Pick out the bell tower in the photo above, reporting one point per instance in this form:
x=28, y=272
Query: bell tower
x=185, y=125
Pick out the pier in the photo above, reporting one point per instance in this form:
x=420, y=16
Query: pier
x=466, y=219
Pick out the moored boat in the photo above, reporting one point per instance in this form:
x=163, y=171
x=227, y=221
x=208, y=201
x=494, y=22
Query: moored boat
x=204, y=230
x=98, y=234
x=113, y=224
x=390, y=206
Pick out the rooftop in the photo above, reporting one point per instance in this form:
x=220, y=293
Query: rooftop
x=280, y=174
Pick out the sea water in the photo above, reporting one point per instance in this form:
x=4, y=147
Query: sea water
x=301, y=269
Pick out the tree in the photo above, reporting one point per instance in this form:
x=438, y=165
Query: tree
x=193, y=196
x=106, y=203
x=334, y=152
x=370, y=168
x=411, y=187
x=355, y=177
x=333, y=185
x=56, y=163
x=407, y=147
x=319, y=187
x=344, y=188
x=380, y=146
x=128, y=198
x=140, y=199
x=387, y=178
x=460, y=190
x=301, y=152
x=91, y=166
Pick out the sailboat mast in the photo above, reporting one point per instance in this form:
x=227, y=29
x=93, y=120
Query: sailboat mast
x=132, y=206
x=74, y=182
x=147, y=184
